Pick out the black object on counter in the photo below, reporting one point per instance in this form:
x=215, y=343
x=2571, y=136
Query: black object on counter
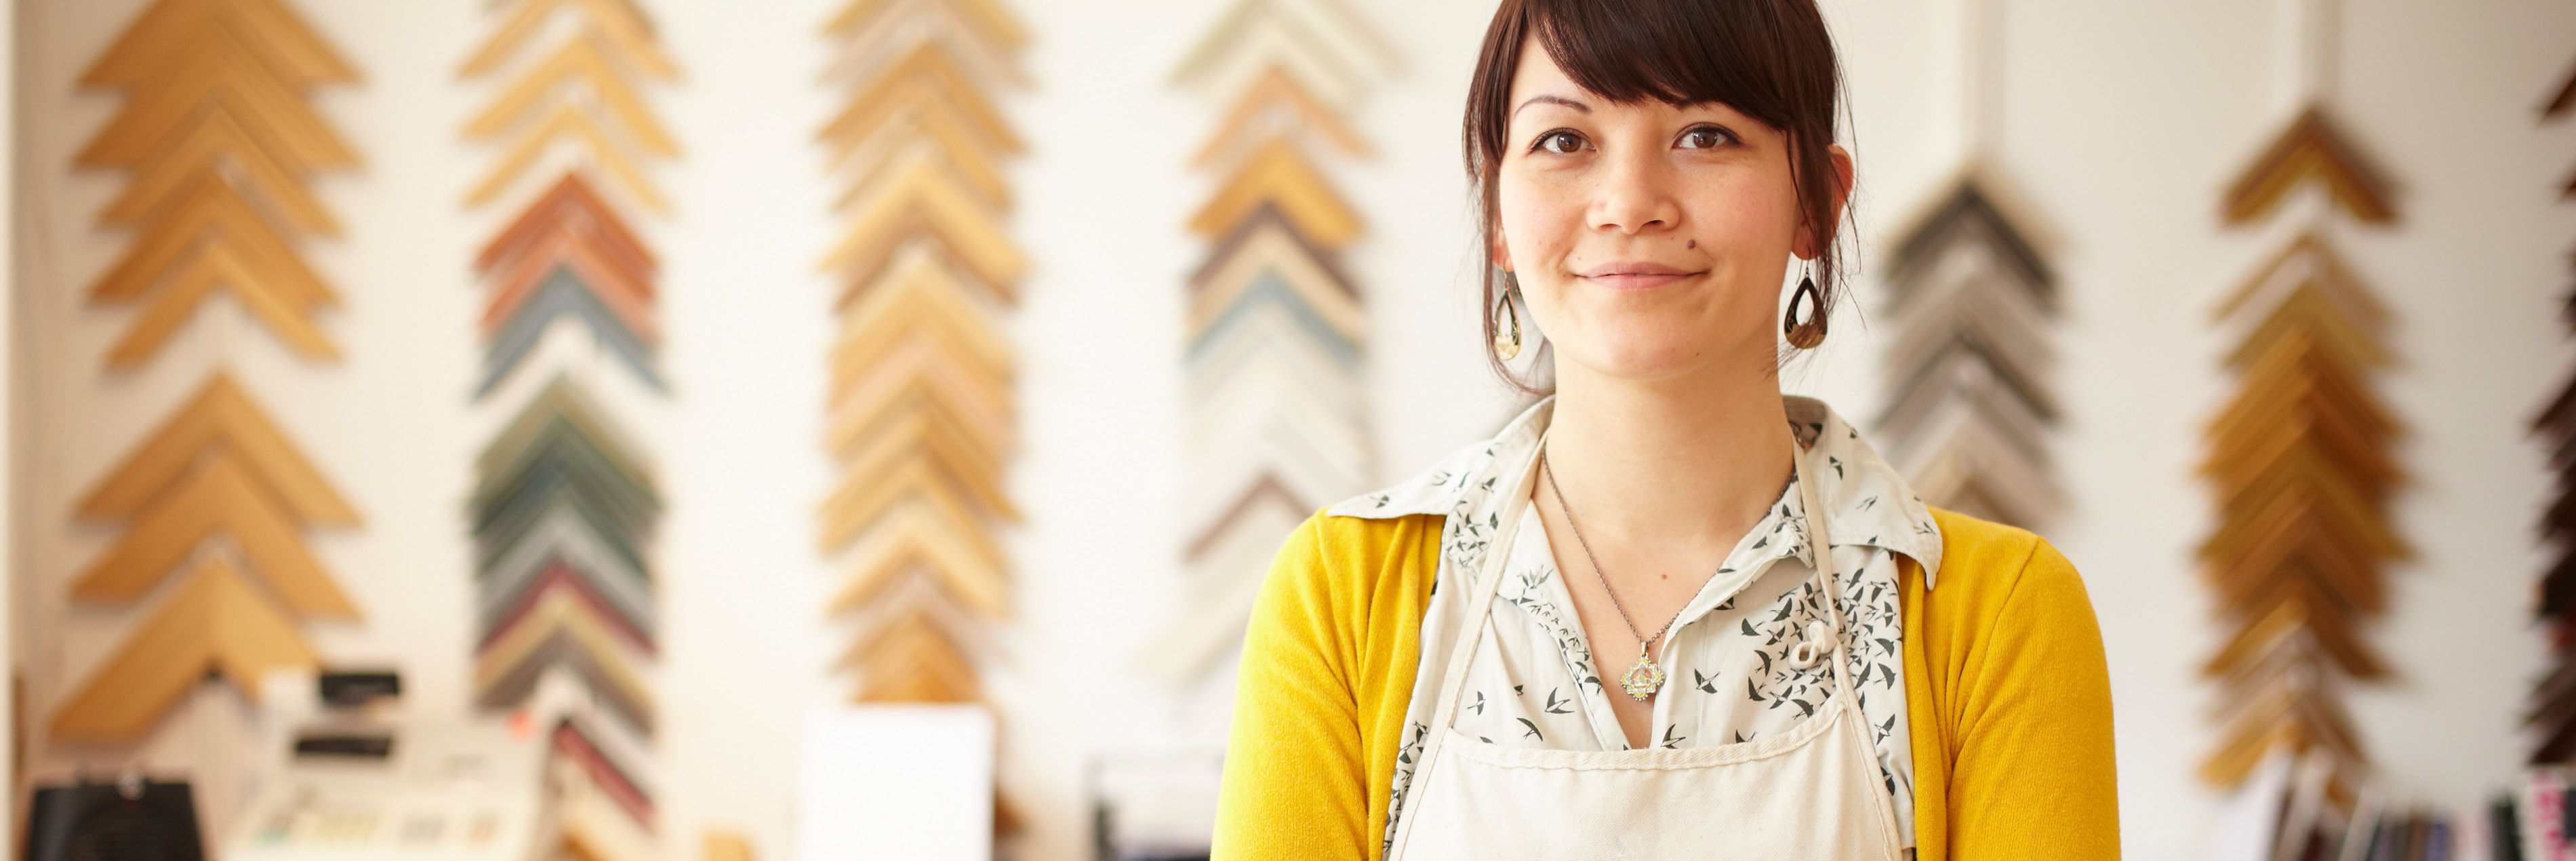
x=130, y=820
x=351, y=690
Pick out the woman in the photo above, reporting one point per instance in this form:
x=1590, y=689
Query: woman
x=1419, y=682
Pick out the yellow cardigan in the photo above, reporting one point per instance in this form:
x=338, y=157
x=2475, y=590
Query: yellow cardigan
x=2005, y=688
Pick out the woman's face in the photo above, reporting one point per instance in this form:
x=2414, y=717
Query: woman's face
x=1649, y=239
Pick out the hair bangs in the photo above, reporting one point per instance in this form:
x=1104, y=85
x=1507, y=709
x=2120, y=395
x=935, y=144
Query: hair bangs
x=1678, y=53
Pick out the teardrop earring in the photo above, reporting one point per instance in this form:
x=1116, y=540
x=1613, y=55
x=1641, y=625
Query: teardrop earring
x=1507, y=322
x=1807, y=335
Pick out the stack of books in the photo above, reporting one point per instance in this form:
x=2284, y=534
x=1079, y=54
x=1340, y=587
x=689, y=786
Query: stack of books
x=2299, y=810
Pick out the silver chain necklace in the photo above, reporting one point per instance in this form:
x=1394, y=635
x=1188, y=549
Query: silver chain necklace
x=1643, y=678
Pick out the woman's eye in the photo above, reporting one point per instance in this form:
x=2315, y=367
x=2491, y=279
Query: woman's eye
x=1704, y=137
x=1560, y=142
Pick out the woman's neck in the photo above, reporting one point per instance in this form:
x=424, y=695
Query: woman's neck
x=1694, y=461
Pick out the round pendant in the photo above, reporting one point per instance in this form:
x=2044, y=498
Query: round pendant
x=1642, y=680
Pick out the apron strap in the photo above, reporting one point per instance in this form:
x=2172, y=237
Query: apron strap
x=1820, y=545
x=1489, y=581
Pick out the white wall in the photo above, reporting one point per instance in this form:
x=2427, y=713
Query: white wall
x=2129, y=120
x=2121, y=122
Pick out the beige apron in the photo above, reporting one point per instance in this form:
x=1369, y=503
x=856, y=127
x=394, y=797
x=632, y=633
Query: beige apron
x=1813, y=792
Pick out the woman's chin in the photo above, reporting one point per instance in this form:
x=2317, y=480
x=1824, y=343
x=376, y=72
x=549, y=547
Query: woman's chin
x=1644, y=362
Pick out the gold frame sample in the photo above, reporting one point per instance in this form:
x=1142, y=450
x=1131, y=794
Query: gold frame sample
x=2299, y=460
x=220, y=138
x=920, y=413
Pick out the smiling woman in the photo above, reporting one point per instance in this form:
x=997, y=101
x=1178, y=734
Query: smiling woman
x=1424, y=676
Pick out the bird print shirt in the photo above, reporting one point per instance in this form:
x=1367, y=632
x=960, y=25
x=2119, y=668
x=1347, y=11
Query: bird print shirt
x=1537, y=683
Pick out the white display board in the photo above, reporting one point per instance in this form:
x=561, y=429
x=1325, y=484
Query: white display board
x=913, y=782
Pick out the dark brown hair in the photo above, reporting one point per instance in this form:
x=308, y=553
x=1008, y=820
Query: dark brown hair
x=1771, y=60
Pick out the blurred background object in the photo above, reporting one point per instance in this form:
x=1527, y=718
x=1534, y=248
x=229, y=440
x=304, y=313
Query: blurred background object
x=921, y=412
x=1274, y=354
x=132, y=818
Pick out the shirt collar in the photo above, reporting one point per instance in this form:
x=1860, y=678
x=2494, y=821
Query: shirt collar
x=1867, y=502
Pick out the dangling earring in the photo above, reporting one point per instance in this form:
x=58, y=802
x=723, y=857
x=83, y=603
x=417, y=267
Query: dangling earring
x=1507, y=325
x=1807, y=335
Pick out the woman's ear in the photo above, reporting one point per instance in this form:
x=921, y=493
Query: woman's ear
x=1498, y=250
x=1805, y=245
x=1842, y=178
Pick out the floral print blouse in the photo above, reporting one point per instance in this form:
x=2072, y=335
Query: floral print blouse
x=1536, y=683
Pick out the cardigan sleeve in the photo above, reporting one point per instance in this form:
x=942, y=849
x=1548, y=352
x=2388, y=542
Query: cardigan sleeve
x=1292, y=787
x=2025, y=707
x=1328, y=665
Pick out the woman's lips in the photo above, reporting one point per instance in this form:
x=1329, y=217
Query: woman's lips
x=1635, y=276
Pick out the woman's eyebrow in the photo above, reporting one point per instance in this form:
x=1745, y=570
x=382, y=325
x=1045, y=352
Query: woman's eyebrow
x=1553, y=100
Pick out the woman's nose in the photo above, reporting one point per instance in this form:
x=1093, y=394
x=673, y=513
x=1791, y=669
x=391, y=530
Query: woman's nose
x=1635, y=194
